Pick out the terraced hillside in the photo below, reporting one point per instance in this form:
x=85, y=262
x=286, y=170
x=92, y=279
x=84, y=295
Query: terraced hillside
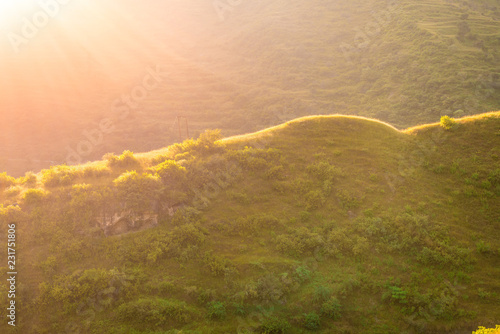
x=250, y=66
x=331, y=224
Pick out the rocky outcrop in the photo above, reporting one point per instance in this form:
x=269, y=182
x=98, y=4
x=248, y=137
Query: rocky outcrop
x=126, y=221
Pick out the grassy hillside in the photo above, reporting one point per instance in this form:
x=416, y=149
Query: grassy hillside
x=258, y=64
x=333, y=224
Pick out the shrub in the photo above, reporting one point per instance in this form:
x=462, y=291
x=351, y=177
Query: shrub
x=347, y=199
x=59, y=176
x=217, y=265
x=322, y=293
x=69, y=291
x=12, y=191
x=216, y=310
x=339, y=242
x=269, y=288
x=6, y=180
x=274, y=325
x=276, y=173
x=298, y=242
x=171, y=173
x=314, y=199
x=125, y=160
x=302, y=274
x=396, y=293
x=447, y=122
x=311, y=321
x=238, y=309
x=96, y=171
x=34, y=196
x=207, y=143
x=483, y=330
x=494, y=177
x=185, y=236
x=331, y=308
x=138, y=192
x=29, y=179
x=156, y=312
x=483, y=247
x=251, y=158
x=324, y=171
x=483, y=294
x=49, y=266
x=241, y=198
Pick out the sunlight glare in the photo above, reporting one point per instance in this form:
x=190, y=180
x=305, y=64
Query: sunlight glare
x=11, y=10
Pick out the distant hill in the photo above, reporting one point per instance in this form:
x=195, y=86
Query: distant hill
x=239, y=68
x=333, y=224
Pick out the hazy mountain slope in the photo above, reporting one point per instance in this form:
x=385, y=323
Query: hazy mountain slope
x=334, y=223
x=251, y=66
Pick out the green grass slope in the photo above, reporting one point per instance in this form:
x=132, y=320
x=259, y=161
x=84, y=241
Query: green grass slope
x=326, y=224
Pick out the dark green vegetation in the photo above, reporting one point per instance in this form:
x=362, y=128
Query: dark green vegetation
x=325, y=224
x=405, y=62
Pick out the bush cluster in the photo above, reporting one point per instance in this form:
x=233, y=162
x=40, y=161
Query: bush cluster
x=125, y=160
x=6, y=181
x=58, y=176
x=156, y=312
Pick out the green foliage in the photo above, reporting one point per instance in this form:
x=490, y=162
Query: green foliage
x=331, y=308
x=88, y=201
x=171, y=173
x=49, y=265
x=324, y=171
x=96, y=171
x=300, y=241
x=274, y=325
x=339, y=242
x=322, y=293
x=302, y=274
x=254, y=159
x=276, y=173
x=314, y=199
x=484, y=330
x=156, y=312
x=312, y=321
x=397, y=294
x=416, y=232
x=347, y=199
x=138, y=192
x=269, y=288
x=59, y=176
x=181, y=242
x=253, y=224
x=29, y=180
x=447, y=122
x=6, y=180
x=483, y=247
x=494, y=177
x=206, y=144
x=174, y=178
x=69, y=291
x=34, y=196
x=216, y=310
x=238, y=309
x=125, y=160
x=216, y=264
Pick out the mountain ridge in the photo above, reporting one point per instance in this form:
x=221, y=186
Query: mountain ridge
x=329, y=223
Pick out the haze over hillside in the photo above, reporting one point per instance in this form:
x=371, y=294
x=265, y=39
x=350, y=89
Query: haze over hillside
x=240, y=68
